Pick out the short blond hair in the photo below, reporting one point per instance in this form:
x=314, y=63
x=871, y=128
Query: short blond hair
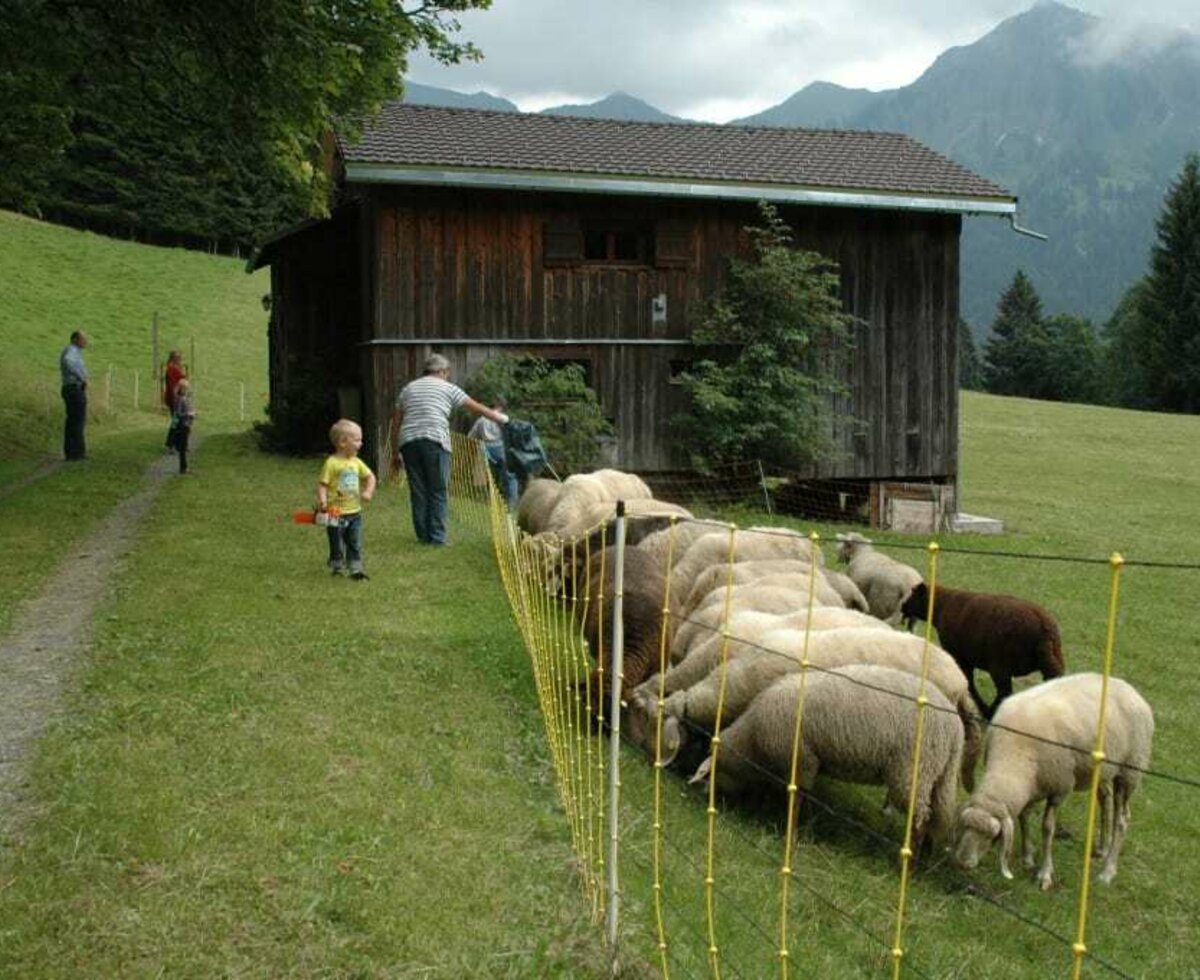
x=343, y=429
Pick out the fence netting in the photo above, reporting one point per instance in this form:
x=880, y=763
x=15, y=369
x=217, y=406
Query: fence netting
x=704, y=845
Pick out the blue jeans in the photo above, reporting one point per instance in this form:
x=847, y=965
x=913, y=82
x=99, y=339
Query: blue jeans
x=506, y=480
x=428, y=466
x=345, y=543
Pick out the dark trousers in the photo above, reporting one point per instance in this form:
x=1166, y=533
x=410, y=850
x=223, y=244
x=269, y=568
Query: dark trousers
x=345, y=543
x=183, y=434
x=428, y=468
x=75, y=399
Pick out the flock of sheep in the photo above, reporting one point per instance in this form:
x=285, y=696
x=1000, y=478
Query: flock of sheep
x=746, y=608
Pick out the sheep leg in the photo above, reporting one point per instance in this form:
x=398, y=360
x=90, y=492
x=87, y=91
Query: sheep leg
x=1103, y=841
x=974, y=691
x=1045, y=876
x=1027, y=856
x=1004, y=689
x=1120, y=804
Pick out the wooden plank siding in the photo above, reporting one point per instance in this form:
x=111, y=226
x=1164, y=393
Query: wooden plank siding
x=466, y=266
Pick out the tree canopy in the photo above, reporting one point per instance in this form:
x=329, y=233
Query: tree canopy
x=201, y=121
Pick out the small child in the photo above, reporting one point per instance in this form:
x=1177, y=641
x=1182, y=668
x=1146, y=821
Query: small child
x=345, y=482
x=182, y=417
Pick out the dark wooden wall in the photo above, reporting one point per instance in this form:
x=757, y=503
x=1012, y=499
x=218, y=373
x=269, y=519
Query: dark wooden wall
x=469, y=266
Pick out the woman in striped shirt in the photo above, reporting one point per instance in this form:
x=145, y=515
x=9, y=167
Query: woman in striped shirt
x=422, y=412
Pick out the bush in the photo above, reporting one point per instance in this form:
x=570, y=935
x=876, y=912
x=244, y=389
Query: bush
x=299, y=416
x=556, y=400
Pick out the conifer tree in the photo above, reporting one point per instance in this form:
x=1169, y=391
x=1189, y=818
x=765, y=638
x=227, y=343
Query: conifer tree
x=1170, y=303
x=970, y=370
x=1015, y=352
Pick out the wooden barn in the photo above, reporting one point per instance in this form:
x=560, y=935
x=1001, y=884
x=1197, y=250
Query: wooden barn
x=475, y=233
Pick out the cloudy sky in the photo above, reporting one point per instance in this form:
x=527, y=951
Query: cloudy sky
x=718, y=60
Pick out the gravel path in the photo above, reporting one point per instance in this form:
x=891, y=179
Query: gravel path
x=49, y=635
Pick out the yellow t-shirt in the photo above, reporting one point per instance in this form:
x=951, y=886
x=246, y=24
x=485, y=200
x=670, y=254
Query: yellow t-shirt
x=344, y=477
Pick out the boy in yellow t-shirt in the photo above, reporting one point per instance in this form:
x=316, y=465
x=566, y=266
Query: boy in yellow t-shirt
x=345, y=482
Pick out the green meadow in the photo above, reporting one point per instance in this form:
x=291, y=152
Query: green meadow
x=262, y=771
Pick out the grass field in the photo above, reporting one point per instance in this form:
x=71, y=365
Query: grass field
x=264, y=772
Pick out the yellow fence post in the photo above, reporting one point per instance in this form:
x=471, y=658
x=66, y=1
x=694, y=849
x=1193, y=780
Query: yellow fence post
x=1079, y=949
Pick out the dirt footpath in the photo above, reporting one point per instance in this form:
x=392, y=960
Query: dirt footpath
x=49, y=635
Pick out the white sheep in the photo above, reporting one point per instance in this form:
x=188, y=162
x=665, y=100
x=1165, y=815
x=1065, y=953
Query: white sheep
x=581, y=491
x=1021, y=770
x=884, y=582
x=852, y=597
x=536, y=503
x=859, y=726
x=714, y=580
x=748, y=544
x=751, y=668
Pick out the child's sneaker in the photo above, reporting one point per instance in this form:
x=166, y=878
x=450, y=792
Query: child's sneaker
x=337, y=570
x=360, y=576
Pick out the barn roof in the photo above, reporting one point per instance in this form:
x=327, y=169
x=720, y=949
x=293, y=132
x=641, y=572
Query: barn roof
x=471, y=147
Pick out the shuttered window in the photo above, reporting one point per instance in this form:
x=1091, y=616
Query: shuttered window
x=673, y=247
x=562, y=242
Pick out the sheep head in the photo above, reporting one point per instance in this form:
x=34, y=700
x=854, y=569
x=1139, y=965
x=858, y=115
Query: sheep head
x=977, y=829
x=848, y=544
x=916, y=606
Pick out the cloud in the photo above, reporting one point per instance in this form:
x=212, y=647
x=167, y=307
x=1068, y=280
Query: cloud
x=717, y=59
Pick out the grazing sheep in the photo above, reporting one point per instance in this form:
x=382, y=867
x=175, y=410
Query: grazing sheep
x=714, y=580
x=747, y=631
x=583, y=490
x=859, y=726
x=884, y=582
x=641, y=612
x=748, y=545
x=1020, y=770
x=1001, y=634
x=852, y=597
x=536, y=503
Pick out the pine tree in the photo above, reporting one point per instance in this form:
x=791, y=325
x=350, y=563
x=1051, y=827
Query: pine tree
x=970, y=370
x=1170, y=304
x=1124, y=380
x=1072, y=366
x=1015, y=353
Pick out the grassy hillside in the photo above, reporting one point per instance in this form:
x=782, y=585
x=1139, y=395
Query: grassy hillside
x=57, y=280
x=265, y=772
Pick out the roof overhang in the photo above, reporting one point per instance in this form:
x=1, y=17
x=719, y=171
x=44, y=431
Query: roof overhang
x=500, y=179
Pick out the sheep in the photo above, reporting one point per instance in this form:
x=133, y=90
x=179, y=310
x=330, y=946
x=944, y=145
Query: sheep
x=641, y=612
x=755, y=667
x=746, y=630
x=859, y=726
x=536, y=503
x=884, y=582
x=762, y=597
x=581, y=491
x=1001, y=634
x=852, y=597
x=714, y=580
x=748, y=544
x=1019, y=770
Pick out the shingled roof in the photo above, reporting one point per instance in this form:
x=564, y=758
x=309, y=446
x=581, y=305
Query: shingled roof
x=433, y=144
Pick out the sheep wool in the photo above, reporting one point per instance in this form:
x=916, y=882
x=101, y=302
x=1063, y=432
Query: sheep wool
x=884, y=582
x=1062, y=716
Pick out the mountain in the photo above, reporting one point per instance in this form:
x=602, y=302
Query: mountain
x=821, y=105
x=619, y=105
x=431, y=95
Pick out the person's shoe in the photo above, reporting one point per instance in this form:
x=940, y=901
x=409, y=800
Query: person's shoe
x=360, y=576
x=337, y=570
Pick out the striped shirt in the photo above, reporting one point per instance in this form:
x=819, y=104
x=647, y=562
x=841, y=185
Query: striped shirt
x=427, y=403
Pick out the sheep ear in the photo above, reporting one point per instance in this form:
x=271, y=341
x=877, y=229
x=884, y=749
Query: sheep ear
x=1006, y=843
x=702, y=771
x=671, y=740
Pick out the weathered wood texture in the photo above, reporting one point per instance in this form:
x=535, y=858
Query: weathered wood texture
x=460, y=271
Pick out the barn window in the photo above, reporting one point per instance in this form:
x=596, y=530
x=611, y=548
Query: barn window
x=562, y=242
x=618, y=242
x=673, y=247
x=583, y=363
x=676, y=369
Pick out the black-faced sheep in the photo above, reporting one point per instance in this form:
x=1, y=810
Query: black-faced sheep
x=1005, y=636
x=859, y=726
x=1019, y=770
x=883, y=581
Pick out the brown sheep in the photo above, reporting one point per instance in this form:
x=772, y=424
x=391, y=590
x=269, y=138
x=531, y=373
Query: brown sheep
x=1001, y=634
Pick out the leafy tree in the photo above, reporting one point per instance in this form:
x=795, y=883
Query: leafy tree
x=970, y=370
x=1016, y=351
x=1072, y=366
x=210, y=110
x=556, y=399
x=1169, y=307
x=781, y=324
